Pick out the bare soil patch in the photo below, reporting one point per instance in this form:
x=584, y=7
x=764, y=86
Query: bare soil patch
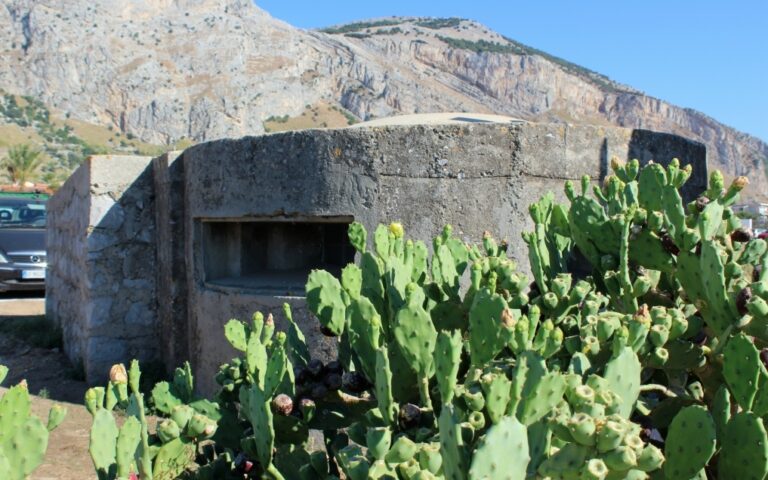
x=30, y=348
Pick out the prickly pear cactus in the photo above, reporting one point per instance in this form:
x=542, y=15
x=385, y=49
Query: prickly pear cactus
x=23, y=437
x=503, y=453
x=690, y=443
x=744, y=452
x=743, y=369
x=623, y=376
x=451, y=364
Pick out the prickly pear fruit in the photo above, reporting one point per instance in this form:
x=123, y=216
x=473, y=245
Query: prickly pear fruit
x=94, y=399
x=620, y=459
x=409, y=416
x=282, y=404
x=378, y=441
x=610, y=436
x=168, y=430
x=650, y=459
x=402, y=449
x=200, y=427
x=181, y=414
x=594, y=469
x=582, y=429
x=477, y=420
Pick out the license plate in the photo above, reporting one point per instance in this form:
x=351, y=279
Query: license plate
x=32, y=274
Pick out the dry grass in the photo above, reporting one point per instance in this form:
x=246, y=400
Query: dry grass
x=12, y=134
x=92, y=134
x=320, y=115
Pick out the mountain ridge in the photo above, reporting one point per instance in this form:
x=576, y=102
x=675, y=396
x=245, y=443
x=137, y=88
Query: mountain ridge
x=164, y=70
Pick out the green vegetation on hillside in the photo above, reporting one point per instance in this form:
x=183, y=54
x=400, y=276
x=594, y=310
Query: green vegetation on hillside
x=357, y=26
x=481, y=46
x=517, y=48
x=438, y=23
x=62, y=144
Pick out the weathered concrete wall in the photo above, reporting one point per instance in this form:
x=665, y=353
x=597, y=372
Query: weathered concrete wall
x=127, y=276
x=101, y=285
x=168, y=172
x=475, y=177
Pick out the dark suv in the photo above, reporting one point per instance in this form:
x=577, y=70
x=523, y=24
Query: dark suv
x=22, y=241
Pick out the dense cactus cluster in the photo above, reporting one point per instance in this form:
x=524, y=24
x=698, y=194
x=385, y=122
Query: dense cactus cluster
x=131, y=449
x=636, y=352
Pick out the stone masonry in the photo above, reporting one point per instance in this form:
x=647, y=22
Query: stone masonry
x=101, y=244
x=149, y=258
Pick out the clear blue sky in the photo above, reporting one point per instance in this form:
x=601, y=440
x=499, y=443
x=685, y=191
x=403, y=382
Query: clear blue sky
x=708, y=55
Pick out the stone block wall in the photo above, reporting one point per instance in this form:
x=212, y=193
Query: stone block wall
x=102, y=286
x=66, y=295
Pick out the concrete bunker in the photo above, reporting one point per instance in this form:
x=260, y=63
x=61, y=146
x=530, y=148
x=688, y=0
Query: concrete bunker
x=150, y=257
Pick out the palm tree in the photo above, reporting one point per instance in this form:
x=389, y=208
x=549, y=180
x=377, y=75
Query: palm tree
x=22, y=164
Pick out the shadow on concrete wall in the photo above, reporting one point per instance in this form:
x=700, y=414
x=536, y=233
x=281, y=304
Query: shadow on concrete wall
x=604, y=160
x=646, y=145
x=171, y=272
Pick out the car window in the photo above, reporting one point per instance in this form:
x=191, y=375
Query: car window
x=15, y=213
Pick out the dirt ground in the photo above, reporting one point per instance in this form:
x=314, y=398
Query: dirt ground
x=49, y=374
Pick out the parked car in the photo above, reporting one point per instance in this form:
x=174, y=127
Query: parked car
x=23, y=261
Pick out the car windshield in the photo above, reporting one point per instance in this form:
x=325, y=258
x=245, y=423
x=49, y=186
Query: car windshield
x=22, y=213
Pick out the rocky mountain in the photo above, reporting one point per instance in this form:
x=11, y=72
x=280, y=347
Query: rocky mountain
x=165, y=70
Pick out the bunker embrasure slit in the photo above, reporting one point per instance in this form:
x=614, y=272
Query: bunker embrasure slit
x=273, y=257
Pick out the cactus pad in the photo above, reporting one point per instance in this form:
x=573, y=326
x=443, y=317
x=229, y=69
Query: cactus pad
x=690, y=443
x=623, y=376
x=744, y=452
x=324, y=299
x=447, y=359
x=172, y=459
x=236, y=334
x=503, y=453
x=742, y=369
x=545, y=394
x=128, y=440
x=384, y=387
x=416, y=336
x=357, y=236
x=452, y=445
x=103, y=442
x=485, y=338
x=497, y=389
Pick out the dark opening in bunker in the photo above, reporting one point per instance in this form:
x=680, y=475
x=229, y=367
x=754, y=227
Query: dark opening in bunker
x=273, y=257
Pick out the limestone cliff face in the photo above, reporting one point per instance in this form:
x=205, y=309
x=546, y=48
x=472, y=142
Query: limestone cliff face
x=204, y=69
